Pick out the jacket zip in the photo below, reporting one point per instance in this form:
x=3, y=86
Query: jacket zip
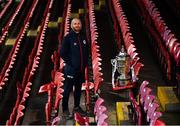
x=81, y=57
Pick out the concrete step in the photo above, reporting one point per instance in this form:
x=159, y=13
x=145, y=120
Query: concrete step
x=53, y=24
x=81, y=11
x=168, y=99
x=10, y=41
x=102, y=3
x=39, y=28
x=122, y=113
x=74, y=15
x=60, y=19
x=97, y=7
x=32, y=33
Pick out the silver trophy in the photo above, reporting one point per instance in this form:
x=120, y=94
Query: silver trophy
x=121, y=69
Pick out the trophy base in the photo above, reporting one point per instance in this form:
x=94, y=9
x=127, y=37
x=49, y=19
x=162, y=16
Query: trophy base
x=123, y=85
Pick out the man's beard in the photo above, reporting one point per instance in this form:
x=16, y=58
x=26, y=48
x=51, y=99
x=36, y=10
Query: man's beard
x=77, y=29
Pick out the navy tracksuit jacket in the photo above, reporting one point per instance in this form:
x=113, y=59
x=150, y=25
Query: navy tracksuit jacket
x=74, y=51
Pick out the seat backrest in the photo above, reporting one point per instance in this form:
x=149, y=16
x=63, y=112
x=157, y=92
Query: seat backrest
x=79, y=119
x=143, y=85
x=146, y=91
x=154, y=117
x=137, y=67
x=148, y=100
x=99, y=111
x=101, y=119
x=97, y=104
x=151, y=109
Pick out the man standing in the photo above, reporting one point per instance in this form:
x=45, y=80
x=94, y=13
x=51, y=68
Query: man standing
x=74, y=51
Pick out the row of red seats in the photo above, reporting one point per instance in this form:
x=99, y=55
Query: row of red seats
x=66, y=30
x=24, y=89
x=7, y=6
x=117, y=30
x=61, y=30
x=99, y=109
x=96, y=60
x=14, y=52
x=99, y=112
x=145, y=110
x=171, y=42
x=162, y=54
x=136, y=109
x=87, y=86
x=5, y=30
x=59, y=89
x=21, y=87
x=158, y=46
x=160, y=32
x=127, y=35
x=67, y=20
x=33, y=68
x=161, y=51
x=149, y=105
x=54, y=88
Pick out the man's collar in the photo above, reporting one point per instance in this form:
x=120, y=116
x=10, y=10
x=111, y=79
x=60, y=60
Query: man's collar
x=75, y=32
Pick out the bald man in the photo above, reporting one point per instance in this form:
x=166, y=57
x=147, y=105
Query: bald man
x=74, y=51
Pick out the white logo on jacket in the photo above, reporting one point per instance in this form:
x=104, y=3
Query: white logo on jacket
x=84, y=41
x=75, y=43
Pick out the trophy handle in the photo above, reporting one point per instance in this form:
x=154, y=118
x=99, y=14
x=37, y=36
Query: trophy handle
x=114, y=66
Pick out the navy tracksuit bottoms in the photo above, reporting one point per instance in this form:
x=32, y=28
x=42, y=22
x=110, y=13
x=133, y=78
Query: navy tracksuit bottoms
x=68, y=86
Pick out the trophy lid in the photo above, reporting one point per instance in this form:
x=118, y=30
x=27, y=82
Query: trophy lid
x=122, y=53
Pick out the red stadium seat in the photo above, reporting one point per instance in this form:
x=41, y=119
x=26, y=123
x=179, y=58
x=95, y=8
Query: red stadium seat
x=101, y=120
x=151, y=109
x=154, y=117
x=148, y=100
x=144, y=93
x=81, y=120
